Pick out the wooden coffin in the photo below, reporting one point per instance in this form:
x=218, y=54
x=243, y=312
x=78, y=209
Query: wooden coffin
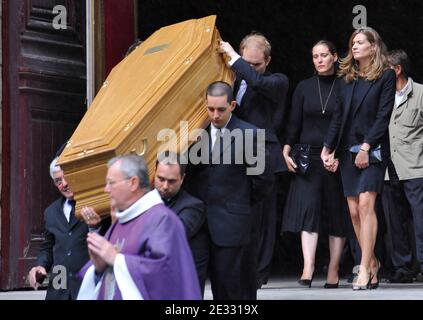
x=157, y=86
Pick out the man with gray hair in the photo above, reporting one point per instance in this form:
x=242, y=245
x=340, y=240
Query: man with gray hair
x=145, y=254
x=64, y=249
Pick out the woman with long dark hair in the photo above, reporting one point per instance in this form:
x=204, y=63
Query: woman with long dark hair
x=315, y=196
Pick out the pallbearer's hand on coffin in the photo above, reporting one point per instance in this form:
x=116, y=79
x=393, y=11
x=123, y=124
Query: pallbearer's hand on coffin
x=91, y=218
x=226, y=48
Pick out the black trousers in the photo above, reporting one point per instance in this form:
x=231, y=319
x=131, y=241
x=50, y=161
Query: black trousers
x=226, y=276
x=267, y=236
x=401, y=200
x=250, y=256
x=199, y=245
x=258, y=254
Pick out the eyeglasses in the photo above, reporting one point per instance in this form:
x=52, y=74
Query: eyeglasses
x=111, y=183
x=59, y=181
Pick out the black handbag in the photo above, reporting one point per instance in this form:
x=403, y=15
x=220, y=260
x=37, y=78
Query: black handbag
x=375, y=155
x=300, y=153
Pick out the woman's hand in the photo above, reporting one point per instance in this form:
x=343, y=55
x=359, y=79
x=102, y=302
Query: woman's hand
x=334, y=166
x=290, y=163
x=362, y=159
x=328, y=159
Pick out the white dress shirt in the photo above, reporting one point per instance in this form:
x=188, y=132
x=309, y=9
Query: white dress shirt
x=214, y=131
x=399, y=95
x=67, y=208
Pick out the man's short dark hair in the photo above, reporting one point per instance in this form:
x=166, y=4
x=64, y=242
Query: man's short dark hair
x=220, y=89
x=169, y=157
x=400, y=58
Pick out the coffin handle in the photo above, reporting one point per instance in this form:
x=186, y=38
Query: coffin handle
x=144, y=148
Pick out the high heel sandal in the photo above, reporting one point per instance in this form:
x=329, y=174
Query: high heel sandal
x=365, y=286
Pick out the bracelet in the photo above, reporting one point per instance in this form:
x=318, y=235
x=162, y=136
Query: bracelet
x=361, y=149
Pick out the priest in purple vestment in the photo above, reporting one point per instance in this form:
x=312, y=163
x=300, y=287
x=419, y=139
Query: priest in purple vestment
x=145, y=253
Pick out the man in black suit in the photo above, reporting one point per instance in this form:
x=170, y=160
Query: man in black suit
x=230, y=182
x=64, y=249
x=170, y=173
x=261, y=97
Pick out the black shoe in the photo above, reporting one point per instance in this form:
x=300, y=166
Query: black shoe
x=375, y=285
x=419, y=277
x=305, y=282
x=261, y=282
x=401, y=277
x=331, y=285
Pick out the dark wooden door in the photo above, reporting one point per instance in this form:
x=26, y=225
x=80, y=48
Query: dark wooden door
x=44, y=90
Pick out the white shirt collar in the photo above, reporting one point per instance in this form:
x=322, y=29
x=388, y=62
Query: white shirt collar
x=399, y=95
x=213, y=130
x=147, y=201
x=403, y=90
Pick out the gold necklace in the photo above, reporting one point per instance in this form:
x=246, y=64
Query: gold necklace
x=323, y=106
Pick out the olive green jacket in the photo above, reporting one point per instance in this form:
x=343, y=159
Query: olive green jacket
x=406, y=134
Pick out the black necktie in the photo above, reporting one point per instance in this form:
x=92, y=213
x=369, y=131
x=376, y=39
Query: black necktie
x=217, y=141
x=72, y=212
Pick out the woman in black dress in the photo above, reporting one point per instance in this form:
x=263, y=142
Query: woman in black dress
x=361, y=125
x=316, y=196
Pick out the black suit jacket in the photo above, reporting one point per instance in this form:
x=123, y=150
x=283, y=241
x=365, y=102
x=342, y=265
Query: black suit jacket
x=263, y=105
x=64, y=245
x=371, y=117
x=227, y=191
x=190, y=210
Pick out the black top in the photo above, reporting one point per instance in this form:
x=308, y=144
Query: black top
x=348, y=139
x=307, y=124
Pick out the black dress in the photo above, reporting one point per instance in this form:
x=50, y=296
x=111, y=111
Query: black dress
x=314, y=200
x=355, y=180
